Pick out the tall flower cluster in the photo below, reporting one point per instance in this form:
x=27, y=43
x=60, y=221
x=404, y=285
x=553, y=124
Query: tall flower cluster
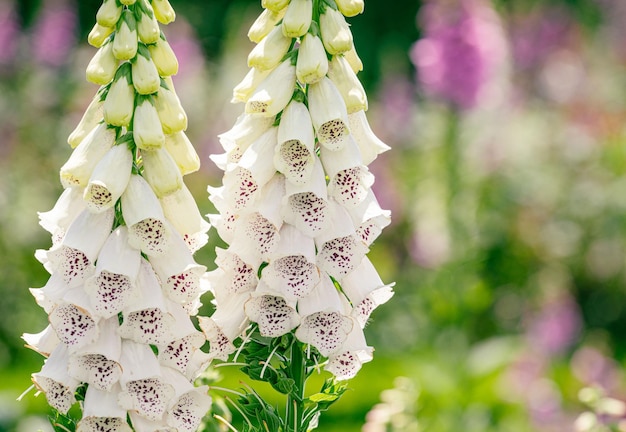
x=296, y=205
x=123, y=282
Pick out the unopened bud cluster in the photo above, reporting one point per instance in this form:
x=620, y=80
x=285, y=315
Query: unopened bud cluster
x=123, y=282
x=296, y=205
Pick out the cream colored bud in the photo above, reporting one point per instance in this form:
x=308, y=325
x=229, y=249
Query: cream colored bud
x=147, y=130
x=269, y=52
x=170, y=111
x=109, y=179
x=161, y=172
x=145, y=75
x=119, y=103
x=329, y=114
x=274, y=5
x=81, y=163
x=125, y=40
x=183, y=152
x=128, y=2
x=335, y=32
x=351, y=89
x=98, y=35
x=264, y=24
x=164, y=58
x=298, y=17
x=350, y=8
x=312, y=63
x=274, y=92
x=354, y=60
x=250, y=82
x=109, y=13
x=163, y=11
x=91, y=117
x=101, y=69
x=148, y=29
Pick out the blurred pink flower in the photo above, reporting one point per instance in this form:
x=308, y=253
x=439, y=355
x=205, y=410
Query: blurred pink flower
x=556, y=326
x=9, y=32
x=462, y=46
x=54, y=34
x=185, y=44
x=593, y=368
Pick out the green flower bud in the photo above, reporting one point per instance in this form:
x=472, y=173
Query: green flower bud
x=101, y=69
x=351, y=89
x=183, y=152
x=298, y=17
x=264, y=24
x=270, y=51
x=274, y=5
x=120, y=103
x=335, y=32
x=250, y=82
x=98, y=35
x=170, y=111
x=164, y=58
x=109, y=13
x=145, y=75
x=161, y=172
x=125, y=40
x=148, y=28
x=350, y=8
x=353, y=60
x=163, y=11
x=312, y=63
x=147, y=130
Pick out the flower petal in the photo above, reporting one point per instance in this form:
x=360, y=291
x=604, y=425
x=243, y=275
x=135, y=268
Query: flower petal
x=54, y=381
x=273, y=314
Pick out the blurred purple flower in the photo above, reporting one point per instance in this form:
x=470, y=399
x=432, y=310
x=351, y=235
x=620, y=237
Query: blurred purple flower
x=185, y=44
x=593, y=368
x=396, y=101
x=556, y=326
x=9, y=32
x=54, y=34
x=462, y=46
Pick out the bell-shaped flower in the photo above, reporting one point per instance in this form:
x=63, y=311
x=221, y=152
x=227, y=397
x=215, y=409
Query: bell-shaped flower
x=345, y=363
x=247, y=129
x=138, y=362
x=243, y=90
x=54, y=381
x=161, y=172
x=43, y=342
x=147, y=228
x=189, y=404
x=57, y=220
x=183, y=152
x=324, y=324
x=81, y=163
x=98, y=35
x=163, y=56
x=294, y=156
x=346, y=81
x=233, y=275
x=145, y=76
x=274, y=5
x=52, y=293
x=163, y=11
x=268, y=53
x=147, y=131
x=369, y=144
x=171, y=113
x=273, y=93
x=340, y=250
x=182, y=211
x=101, y=69
x=297, y=19
x=329, y=114
x=292, y=271
x=225, y=325
x=312, y=63
x=264, y=24
x=179, y=354
x=119, y=104
x=147, y=25
x=225, y=220
x=102, y=413
x=109, y=179
x=109, y=13
x=99, y=363
x=369, y=219
x=113, y=284
x=89, y=120
x=273, y=314
x=306, y=206
x=350, y=8
x=335, y=32
x=350, y=180
x=73, y=323
x=353, y=59
x=125, y=39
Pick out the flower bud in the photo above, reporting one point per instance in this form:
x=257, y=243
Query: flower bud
x=353, y=60
x=91, y=117
x=125, y=40
x=183, y=152
x=98, y=35
x=351, y=89
x=147, y=130
x=148, y=26
x=127, y=2
x=163, y=57
x=250, y=82
x=312, y=63
x=264, y=24
x=120, y=102
x=145, y=75
x=109, y=13
x=101, y=69
x=270, y=51
x=163, y=11
x=109, y=179
x=335, y=32
x=171, y=113
x=274, y=92
x=298, y=17
x=161, y=172
x=274, y=5
x=328, y=113
x=350, y=8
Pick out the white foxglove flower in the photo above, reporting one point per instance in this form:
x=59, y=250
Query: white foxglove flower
x=52, y=293
x=353, y=59
x=369, y=219
x=335, y=32
x=350, y=8
x=54, y=381
x=147, y=131
x=182, y=211
x=119, y=104
x=99, y=34
x=275, y=5
x=294, y=156
x=346, y=81
x=246, y=130
x=369, y=144
x=183, y=152
x=163, y=11
x=43, y=342
x=264, y=24
x=89, y=120
x=147, y=25
x=109, y=13
x=101, y=69
x=268, y=53
x=354, y=352
x=102, y=413
x=179, y=354
x=75, y=326
x=224, y=221
x=189, y=404
x=324, y=324
x=57, y=220
x=145, y=76
x=243, y=90
x=81, y=163
x=225, y=325
x=273, y=93
x=273, y=314
x=297, y=19
x=329, y=114
x=312, y=63
x=138, y=362
x=161, y=172
x=163, y=56
x=109, y=179
x=125, y=40
x=233, y=275
x=170, y=111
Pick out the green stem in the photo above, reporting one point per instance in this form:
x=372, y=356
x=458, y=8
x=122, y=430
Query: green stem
x=295, y=399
